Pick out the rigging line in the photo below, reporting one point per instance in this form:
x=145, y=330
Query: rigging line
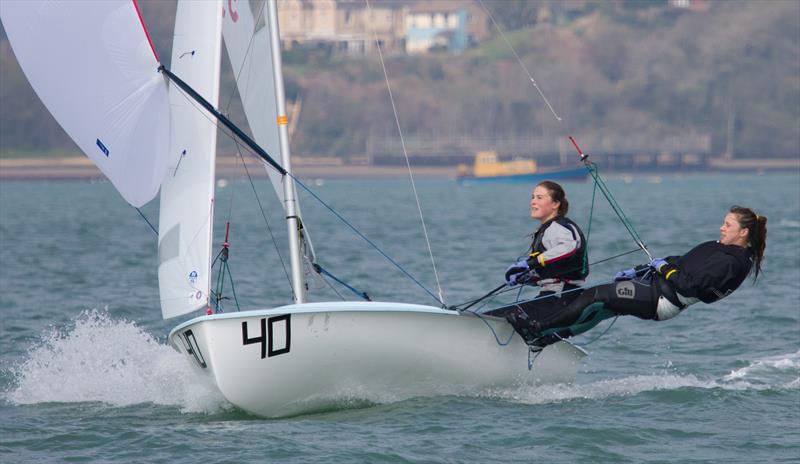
x=225, y=130
x=603, y=187
x=601, y=335
x=254, y=149
x=519, y=60
x=264, y=216
x=363, y=237
x=326, y=282
x=408, y=162
x=258, y=18
x=593, y=170
x=500, y=290
x=145, y=220
x=323, y=271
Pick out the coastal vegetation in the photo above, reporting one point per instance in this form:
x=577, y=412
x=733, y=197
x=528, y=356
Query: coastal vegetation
x=730, y=70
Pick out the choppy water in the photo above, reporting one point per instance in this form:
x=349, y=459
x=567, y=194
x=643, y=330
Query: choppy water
x=86, y=375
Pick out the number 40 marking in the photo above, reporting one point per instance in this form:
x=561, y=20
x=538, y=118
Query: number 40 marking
x=268, y=334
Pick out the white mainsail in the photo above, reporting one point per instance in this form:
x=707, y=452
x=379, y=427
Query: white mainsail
x=250, y=53
x=187, y=194
x=98, y=76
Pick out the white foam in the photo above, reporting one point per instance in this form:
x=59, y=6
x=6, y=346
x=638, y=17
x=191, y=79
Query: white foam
x=771, y=370
x=789, y=223
x=770, y=373
x=628, y=386
x=110, y=361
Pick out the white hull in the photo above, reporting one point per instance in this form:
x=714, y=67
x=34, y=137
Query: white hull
x=315, y=355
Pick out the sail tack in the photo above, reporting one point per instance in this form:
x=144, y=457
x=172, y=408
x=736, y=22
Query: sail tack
x=93, y=67
x=187, y=194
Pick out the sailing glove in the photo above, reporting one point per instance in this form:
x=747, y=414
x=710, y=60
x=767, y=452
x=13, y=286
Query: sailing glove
x=658, y=264
x=627, y=274
x=515, y=271
x=632, y=273
x=664, y=268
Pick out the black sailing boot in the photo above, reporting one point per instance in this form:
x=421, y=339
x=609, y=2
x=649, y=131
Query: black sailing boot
x=526, y=327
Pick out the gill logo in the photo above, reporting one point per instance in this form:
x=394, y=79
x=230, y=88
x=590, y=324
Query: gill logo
x=626, y=289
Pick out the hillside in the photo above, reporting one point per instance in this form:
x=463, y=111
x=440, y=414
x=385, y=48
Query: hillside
x=622, y=68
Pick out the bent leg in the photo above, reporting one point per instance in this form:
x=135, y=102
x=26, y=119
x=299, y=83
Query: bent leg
x=630, y=298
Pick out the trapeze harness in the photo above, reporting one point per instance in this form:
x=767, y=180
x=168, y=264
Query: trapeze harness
x=558, y=255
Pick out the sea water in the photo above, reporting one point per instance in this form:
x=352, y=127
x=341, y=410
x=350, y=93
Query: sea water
x=86, y=374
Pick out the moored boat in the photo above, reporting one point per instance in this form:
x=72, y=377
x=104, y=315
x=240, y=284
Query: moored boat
x=488, y=168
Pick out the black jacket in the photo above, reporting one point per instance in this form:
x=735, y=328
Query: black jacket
x=709, y=271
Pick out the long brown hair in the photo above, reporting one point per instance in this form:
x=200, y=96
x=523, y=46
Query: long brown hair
x=556, y=194
x=757, y=231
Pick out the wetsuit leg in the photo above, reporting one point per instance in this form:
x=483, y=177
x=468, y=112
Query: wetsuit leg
x=523, y=316
x=630, y=297
x=538, y=308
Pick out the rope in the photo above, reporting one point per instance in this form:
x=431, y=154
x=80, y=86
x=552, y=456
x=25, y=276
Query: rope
x=264, y=216
x=595, y=173
x=145, y=220
x=496, y=337
x=323, y=271
x=227, y=131
x=363, y=237
x=601, y=335
x=519, y=60
x=504, y=289
x=408, y=162
x=590, y=166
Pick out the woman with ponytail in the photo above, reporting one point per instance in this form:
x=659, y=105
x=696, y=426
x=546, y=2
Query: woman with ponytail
x=663, y=288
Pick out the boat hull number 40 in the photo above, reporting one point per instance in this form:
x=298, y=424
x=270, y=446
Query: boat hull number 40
x=274, y=336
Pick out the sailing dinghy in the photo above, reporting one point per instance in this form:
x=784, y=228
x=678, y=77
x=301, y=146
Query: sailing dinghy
x=147, y=133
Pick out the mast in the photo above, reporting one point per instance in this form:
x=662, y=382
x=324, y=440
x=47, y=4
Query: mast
x=298, y=280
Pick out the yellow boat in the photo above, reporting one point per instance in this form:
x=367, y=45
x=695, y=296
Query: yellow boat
x=488, y=168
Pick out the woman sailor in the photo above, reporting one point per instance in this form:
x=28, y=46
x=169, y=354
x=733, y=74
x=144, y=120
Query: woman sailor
x=557, y=262
x=665, y=287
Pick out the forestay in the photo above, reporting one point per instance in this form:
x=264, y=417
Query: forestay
x=187, y=194
x=92, y=65
x=250, y=54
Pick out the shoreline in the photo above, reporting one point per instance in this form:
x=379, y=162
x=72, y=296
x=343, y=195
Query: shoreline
x=81, y=167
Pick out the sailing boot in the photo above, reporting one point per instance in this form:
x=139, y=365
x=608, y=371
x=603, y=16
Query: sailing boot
x=526, y=327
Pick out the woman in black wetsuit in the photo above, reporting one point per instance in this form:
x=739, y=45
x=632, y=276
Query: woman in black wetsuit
x=665, y=287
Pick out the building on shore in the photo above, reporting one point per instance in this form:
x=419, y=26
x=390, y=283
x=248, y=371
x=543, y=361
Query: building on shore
x=349, y=27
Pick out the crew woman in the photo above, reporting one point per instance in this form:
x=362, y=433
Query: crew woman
x=557, y=260
x=664, y=288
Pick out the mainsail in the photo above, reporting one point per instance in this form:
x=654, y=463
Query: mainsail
x=98, y=76
x=187, y=194
x=250, y=53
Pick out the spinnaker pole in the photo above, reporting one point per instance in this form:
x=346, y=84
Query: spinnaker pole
x=289, y=195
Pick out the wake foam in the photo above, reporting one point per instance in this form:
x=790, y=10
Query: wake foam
x=110, y=361
x=770, y=371
x=781, y=372
x=628, y=386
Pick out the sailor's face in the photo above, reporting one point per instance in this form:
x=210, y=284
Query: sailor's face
x=731, y=232
x=542, y=206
